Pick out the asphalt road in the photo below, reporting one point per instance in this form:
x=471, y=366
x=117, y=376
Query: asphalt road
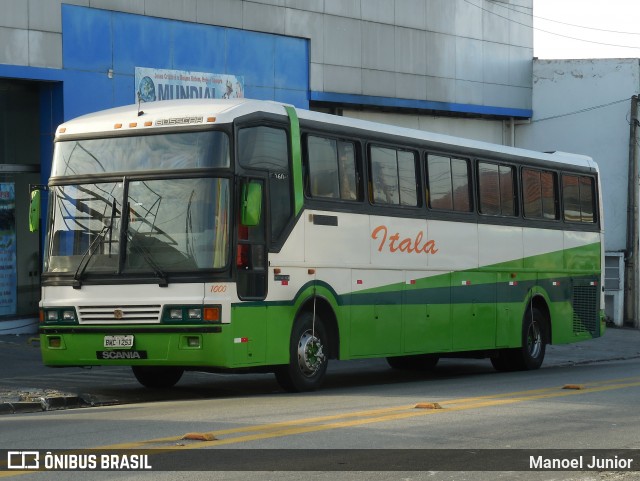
x=23, y=377
x=479, y=411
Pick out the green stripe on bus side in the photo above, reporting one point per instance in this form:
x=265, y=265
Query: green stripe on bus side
x=296, y=156
x=552, y=268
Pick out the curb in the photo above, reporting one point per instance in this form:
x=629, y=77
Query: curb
x=55, y=402
x=62, y=402
x=21, y=407
x=38, y=403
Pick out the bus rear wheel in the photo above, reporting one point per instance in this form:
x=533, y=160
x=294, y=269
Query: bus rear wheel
x=308, y=354
x=157, y=377
x=531, y=353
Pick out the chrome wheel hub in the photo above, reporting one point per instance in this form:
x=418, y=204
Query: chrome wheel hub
x=310, y=353
x=534, y=340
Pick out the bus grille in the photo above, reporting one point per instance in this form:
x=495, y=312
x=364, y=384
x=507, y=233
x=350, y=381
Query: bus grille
x=585, y=309
x=123, y=314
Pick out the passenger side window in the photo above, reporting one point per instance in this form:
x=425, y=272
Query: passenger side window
x=496, y=189
x=393, y=176
x=448, y=183
x=540, y=194
x=578, y=198
x=331, y=169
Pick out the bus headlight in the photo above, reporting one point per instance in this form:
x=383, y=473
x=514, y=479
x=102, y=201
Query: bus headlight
x=65, y=314
x=195, y=314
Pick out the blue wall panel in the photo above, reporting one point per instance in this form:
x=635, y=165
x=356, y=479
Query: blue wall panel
x=293, y=97
x=87, y=92
x=288, y=57
x=205, y=50
x=252, y=54
x=139, y=42
x=86, y=39
x=125, y=88
x=94, y=41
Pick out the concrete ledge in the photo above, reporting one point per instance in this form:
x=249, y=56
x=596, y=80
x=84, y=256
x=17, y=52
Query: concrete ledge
x=28, y=407
x=36, y=400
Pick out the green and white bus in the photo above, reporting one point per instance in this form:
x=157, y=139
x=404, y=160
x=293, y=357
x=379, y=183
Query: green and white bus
x=243, y=235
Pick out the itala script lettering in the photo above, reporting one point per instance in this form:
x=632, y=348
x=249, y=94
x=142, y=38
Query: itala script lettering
x=398, y=243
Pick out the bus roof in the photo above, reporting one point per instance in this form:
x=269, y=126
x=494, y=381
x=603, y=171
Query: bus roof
x=132, y=119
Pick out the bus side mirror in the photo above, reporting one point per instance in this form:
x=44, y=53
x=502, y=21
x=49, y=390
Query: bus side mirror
x=251, y=204
x=34, y=211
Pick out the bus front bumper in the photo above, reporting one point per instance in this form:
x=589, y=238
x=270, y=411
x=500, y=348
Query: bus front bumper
x=204, y=346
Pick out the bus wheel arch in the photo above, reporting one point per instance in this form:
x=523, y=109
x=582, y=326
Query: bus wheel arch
x=540, y=303
x=535, y=335
x=308, y=358
x=324, y=311
x=534, y=339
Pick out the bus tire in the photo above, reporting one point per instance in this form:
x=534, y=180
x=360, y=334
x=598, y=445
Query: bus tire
x=420, y=362
x=308, y=354
x=157, y=377
x=531, y=353
x=534, y=340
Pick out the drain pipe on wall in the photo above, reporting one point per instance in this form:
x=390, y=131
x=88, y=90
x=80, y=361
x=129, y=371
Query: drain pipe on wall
x=513, y=123
x=632, y=266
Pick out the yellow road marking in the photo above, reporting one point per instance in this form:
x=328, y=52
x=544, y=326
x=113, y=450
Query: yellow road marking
x=344, y=420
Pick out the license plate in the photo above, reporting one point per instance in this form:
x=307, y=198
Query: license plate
x=118, y=342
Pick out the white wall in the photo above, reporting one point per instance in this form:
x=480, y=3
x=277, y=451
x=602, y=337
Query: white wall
x=570, y=89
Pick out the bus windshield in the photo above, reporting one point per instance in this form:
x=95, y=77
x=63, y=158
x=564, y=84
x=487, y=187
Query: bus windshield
x=166, y=226
x=185, y=150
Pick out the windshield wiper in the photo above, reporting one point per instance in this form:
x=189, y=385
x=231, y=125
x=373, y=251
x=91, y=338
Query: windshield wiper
x=146, y=254
x=91, y=250
x=84, y=262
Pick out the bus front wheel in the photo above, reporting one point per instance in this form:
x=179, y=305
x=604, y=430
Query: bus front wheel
x=157, y=377
x=308, y=356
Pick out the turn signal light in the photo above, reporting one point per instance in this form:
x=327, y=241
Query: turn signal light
x=212, y=314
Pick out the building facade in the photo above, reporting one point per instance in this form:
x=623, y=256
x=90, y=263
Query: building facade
x=461, y=67
x=585, y=107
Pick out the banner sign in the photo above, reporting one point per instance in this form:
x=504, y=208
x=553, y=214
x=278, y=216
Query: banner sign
x=8, y=269
x=158, y=84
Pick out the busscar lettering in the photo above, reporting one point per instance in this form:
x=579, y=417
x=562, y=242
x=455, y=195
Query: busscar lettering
x=396, y=243
x=180, y=121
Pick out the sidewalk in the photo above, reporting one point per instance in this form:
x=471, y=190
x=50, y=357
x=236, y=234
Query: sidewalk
x=617, y=343
x=20, y=357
